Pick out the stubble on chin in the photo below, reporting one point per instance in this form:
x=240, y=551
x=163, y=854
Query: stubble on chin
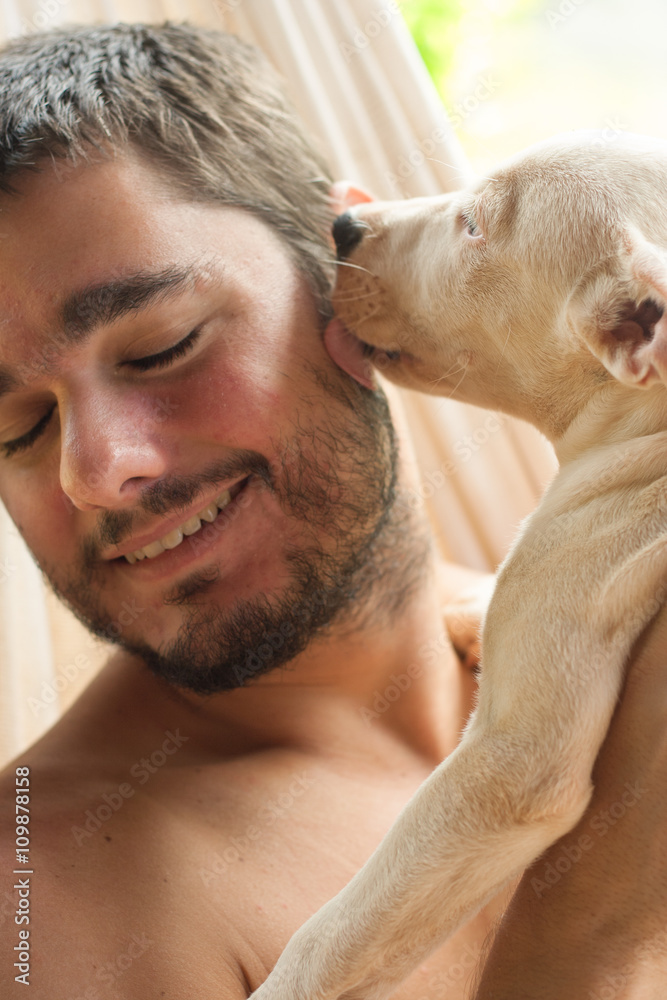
x=363, y=557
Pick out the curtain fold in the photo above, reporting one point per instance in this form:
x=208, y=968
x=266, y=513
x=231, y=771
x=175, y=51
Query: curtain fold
x=358, y=82
x=26, y=654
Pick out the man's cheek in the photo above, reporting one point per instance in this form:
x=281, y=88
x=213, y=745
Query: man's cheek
x=42, y=517
x=234, y=413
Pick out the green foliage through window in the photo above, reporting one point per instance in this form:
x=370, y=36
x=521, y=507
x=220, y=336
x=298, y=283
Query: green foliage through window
x=440, y=27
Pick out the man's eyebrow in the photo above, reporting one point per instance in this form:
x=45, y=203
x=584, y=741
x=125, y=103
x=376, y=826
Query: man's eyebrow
x=85, y=310
x=98, y=305
x=8, y=381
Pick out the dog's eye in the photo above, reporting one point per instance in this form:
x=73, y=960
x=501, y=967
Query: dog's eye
x=471, y=226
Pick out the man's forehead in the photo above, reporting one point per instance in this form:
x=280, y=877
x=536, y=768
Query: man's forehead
x=86, y=247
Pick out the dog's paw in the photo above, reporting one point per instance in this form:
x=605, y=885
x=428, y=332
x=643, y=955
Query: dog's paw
x=465, y=595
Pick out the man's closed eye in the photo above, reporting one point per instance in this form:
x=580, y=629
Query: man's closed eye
x=152, y=362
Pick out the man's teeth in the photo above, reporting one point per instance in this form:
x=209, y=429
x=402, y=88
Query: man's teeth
x=189, y=527
x=209, y=513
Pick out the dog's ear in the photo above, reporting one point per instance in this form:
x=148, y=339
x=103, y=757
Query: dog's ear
x=624, y=320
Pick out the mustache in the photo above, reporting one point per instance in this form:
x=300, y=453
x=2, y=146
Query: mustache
x=174, y=494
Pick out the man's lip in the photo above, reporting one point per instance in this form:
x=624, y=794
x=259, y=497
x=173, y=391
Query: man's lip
x=166, y=526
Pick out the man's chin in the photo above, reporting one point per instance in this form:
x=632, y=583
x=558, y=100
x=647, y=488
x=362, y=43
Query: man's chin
x=355, y=556
x=216, y=651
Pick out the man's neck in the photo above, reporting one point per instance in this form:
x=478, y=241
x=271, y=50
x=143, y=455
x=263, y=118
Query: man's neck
x=341, y=697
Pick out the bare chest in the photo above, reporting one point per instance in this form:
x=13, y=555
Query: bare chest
x=219, y=877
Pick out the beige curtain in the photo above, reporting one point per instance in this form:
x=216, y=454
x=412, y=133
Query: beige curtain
x=358, y=82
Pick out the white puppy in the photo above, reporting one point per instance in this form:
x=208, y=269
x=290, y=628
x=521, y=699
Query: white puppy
x=541, y=291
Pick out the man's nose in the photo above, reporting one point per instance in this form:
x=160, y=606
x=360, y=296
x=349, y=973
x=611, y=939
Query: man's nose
x=347, y=232
x=108, y=457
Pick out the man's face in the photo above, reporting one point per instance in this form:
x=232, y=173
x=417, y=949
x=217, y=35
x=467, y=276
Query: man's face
x=113, y=441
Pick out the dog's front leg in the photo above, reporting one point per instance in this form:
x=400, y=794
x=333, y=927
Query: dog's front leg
x=518, y=781
x=468, y=830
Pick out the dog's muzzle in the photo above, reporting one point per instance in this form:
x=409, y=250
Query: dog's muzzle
x=347, y=232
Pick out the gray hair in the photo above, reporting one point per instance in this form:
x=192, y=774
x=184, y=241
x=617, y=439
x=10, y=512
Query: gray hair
x=202, y=105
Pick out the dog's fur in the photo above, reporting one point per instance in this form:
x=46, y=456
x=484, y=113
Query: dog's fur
x=540, y=292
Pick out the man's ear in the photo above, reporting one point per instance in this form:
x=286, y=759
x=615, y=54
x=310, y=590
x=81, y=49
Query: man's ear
x=624, y=320
x=343, y=347
x=344, y=195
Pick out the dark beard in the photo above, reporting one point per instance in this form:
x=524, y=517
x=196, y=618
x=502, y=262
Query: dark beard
x=366, y=556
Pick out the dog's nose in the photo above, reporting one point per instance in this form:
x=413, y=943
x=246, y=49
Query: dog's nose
x=347, y=232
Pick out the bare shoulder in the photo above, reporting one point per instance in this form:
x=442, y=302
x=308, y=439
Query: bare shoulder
x=100, y=891
x=97, y=909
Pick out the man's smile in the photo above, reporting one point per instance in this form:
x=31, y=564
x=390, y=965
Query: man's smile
x=212, y=521
x=169, y=535
x=262, y=502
